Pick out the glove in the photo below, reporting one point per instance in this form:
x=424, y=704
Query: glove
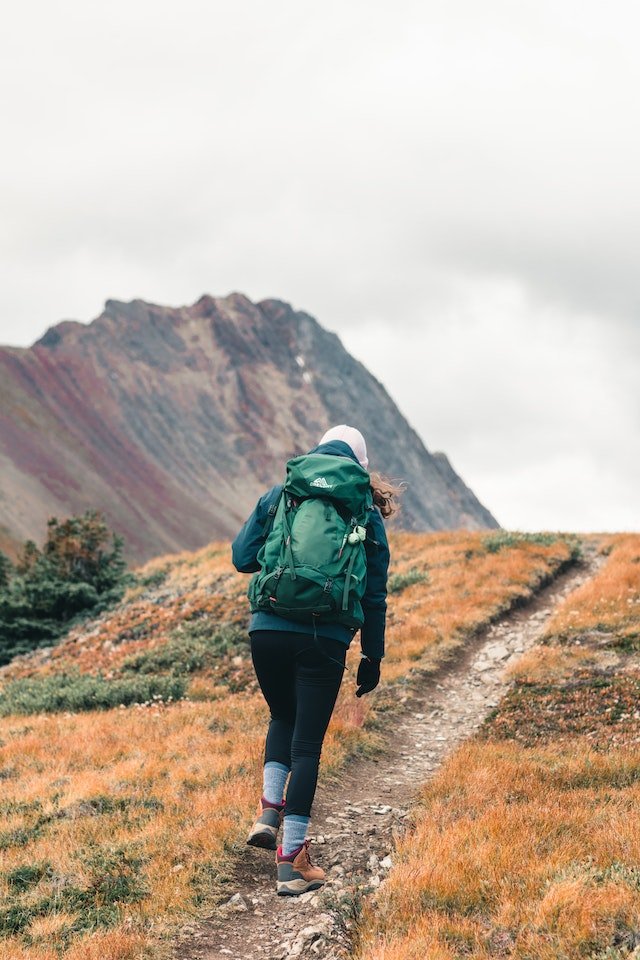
x=368, y=675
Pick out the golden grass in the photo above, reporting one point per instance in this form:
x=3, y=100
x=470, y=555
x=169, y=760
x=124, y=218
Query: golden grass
x=467, y=587
x=200, y=584
x=173, y=787
x=611, y=601
x=533, y=851
x=101, y=945
x=593, y=623
x=190, y=783
x=537, y=850
x=186, y=791
x=543, y=664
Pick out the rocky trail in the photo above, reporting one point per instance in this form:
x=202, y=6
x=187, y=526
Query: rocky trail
x=355, y=820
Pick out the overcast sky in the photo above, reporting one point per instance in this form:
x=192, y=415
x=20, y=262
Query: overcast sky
x=451, y=186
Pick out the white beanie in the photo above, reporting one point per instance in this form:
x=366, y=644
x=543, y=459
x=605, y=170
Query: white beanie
x=352, y=437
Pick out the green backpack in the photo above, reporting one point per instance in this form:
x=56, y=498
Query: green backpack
x=313, y=566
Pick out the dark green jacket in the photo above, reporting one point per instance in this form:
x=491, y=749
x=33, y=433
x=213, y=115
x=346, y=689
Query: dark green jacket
x=245, y=549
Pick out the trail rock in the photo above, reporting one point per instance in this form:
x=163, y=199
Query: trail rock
x=237, y=903
x=482, y=665
x=308, y=897
x=309, y=935
x=496, y=651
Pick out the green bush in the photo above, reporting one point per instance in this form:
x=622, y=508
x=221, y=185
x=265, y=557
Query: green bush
x=18, y=837
x=6, y=571
x=514, y=538
x=75, y=692
x=79, y=570
x=27, y=876
x=196, y=644
x=102, y=804
x=112, y=877
x=398, y=582
x=154, y=579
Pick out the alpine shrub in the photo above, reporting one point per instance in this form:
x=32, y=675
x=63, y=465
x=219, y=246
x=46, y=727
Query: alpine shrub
x=507, y=539
x=76, y=692
x=79, y=570
x=193, y=646
x=400, y=581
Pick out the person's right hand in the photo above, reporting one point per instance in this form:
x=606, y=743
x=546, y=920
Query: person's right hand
x=368, y=675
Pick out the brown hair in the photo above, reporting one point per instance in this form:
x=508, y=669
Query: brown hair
x=385, y=494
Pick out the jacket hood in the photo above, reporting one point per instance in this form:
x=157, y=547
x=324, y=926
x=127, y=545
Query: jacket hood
x=337, y=448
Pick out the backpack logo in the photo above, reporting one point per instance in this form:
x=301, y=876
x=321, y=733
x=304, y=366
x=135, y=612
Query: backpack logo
x=322, y=483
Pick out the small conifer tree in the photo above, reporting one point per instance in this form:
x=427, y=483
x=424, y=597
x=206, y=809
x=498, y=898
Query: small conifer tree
x=6, y=568
x=79, y=570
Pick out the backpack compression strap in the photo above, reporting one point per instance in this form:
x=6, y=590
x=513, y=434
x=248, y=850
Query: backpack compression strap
x=347, y=581
x=287, y=542
x=357, y=536
x=271, y=512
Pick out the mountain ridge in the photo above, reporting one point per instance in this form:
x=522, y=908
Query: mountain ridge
x=172, y=420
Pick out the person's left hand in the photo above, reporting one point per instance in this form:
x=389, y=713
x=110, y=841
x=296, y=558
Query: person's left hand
x=368, y=675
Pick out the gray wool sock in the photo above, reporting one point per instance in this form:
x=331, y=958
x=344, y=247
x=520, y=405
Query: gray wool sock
x=273, y=781
x=295, y=832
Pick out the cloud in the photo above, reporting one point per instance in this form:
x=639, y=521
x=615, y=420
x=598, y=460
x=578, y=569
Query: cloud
x=460, y=177
x=537, y=411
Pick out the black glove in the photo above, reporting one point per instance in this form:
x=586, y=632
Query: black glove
x=368, y=675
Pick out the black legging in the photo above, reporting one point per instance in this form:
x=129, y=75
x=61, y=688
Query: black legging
x=300, y=684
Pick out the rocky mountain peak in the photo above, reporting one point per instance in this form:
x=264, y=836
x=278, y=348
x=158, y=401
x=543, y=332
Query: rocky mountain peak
x=174, y=419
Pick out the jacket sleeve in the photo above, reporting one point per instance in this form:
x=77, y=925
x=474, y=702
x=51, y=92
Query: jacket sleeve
x=245, y=547
x=374, y=602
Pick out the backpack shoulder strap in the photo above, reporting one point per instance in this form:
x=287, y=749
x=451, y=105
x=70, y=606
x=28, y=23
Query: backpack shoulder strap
x=271, y=513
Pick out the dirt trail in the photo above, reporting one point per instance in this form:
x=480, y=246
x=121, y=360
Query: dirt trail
x=355, y=821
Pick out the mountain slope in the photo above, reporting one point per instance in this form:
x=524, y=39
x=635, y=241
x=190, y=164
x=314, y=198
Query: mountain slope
x=173, y=420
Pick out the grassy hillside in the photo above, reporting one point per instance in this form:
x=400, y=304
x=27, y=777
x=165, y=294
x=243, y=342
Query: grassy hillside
x=117, y=823
x=526, y=843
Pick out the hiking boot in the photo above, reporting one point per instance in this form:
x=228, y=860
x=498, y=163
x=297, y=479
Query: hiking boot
x=264, y=832
x=296, y=873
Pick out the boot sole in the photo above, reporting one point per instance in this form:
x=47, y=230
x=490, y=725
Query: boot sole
x=263, y=839
x=293, y=888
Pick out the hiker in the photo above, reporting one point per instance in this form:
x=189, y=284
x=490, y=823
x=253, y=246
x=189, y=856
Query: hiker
x=325, y=525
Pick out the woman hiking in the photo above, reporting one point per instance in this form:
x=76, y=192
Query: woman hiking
x=319, y=553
